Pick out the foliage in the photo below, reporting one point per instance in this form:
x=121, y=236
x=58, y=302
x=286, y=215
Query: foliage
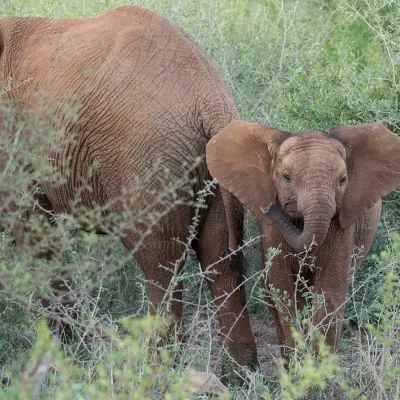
x=129, y=361
x=58, y=8
x=306, y=373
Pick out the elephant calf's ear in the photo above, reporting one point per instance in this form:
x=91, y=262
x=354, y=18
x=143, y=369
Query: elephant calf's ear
x=239, y=157
x=373, y=167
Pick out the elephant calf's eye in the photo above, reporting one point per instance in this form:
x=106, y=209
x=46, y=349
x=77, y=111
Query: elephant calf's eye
x=342, y=180
x=287, y=177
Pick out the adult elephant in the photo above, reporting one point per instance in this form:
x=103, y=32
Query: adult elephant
x=144, y=94
x=323, y=193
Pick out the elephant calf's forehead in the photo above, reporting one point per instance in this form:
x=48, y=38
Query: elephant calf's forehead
x=311, y=143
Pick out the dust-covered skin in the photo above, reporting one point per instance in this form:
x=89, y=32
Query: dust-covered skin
x=144, y=93
x=318, y=190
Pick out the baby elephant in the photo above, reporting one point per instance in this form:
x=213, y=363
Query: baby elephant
x=323, y=193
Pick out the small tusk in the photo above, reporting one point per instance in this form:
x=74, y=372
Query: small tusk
x=266, y=210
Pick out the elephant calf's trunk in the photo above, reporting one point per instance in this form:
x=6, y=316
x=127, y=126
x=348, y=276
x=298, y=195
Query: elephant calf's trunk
x=292, y=235
x=299, y=241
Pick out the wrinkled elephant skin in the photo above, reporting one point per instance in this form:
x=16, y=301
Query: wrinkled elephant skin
x=144, y=92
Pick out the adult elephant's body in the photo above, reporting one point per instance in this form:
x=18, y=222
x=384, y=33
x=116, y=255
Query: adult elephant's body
x=143, y=92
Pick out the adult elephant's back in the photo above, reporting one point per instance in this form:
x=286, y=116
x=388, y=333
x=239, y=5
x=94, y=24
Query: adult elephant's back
x=140, y=90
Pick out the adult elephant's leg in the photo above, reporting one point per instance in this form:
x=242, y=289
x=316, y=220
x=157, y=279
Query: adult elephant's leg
x=161, y=261
x=226, y=286
x=33, y=235
x=38, y=237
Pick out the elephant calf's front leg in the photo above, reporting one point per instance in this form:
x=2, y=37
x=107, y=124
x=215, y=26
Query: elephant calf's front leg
x=161, y=261
x=329, y=304
x=328, y=314
x=282, y=302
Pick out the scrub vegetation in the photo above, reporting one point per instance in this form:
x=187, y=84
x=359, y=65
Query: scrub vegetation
x=294, y=65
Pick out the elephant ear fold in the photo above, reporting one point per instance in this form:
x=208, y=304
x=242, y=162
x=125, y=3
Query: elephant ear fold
x=240, y=156
x=373, y=167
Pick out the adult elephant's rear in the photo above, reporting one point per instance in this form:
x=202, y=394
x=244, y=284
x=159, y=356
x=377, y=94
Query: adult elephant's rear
x=145, y=102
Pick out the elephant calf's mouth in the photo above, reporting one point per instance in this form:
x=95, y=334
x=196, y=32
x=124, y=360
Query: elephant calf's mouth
x=292, y=213
x=290, y=208
x=298, y=222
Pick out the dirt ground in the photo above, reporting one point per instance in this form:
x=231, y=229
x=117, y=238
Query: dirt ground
x=267, y=342
x=264, y=332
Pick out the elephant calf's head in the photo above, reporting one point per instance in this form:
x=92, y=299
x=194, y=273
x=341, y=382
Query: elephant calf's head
x=310, y=175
